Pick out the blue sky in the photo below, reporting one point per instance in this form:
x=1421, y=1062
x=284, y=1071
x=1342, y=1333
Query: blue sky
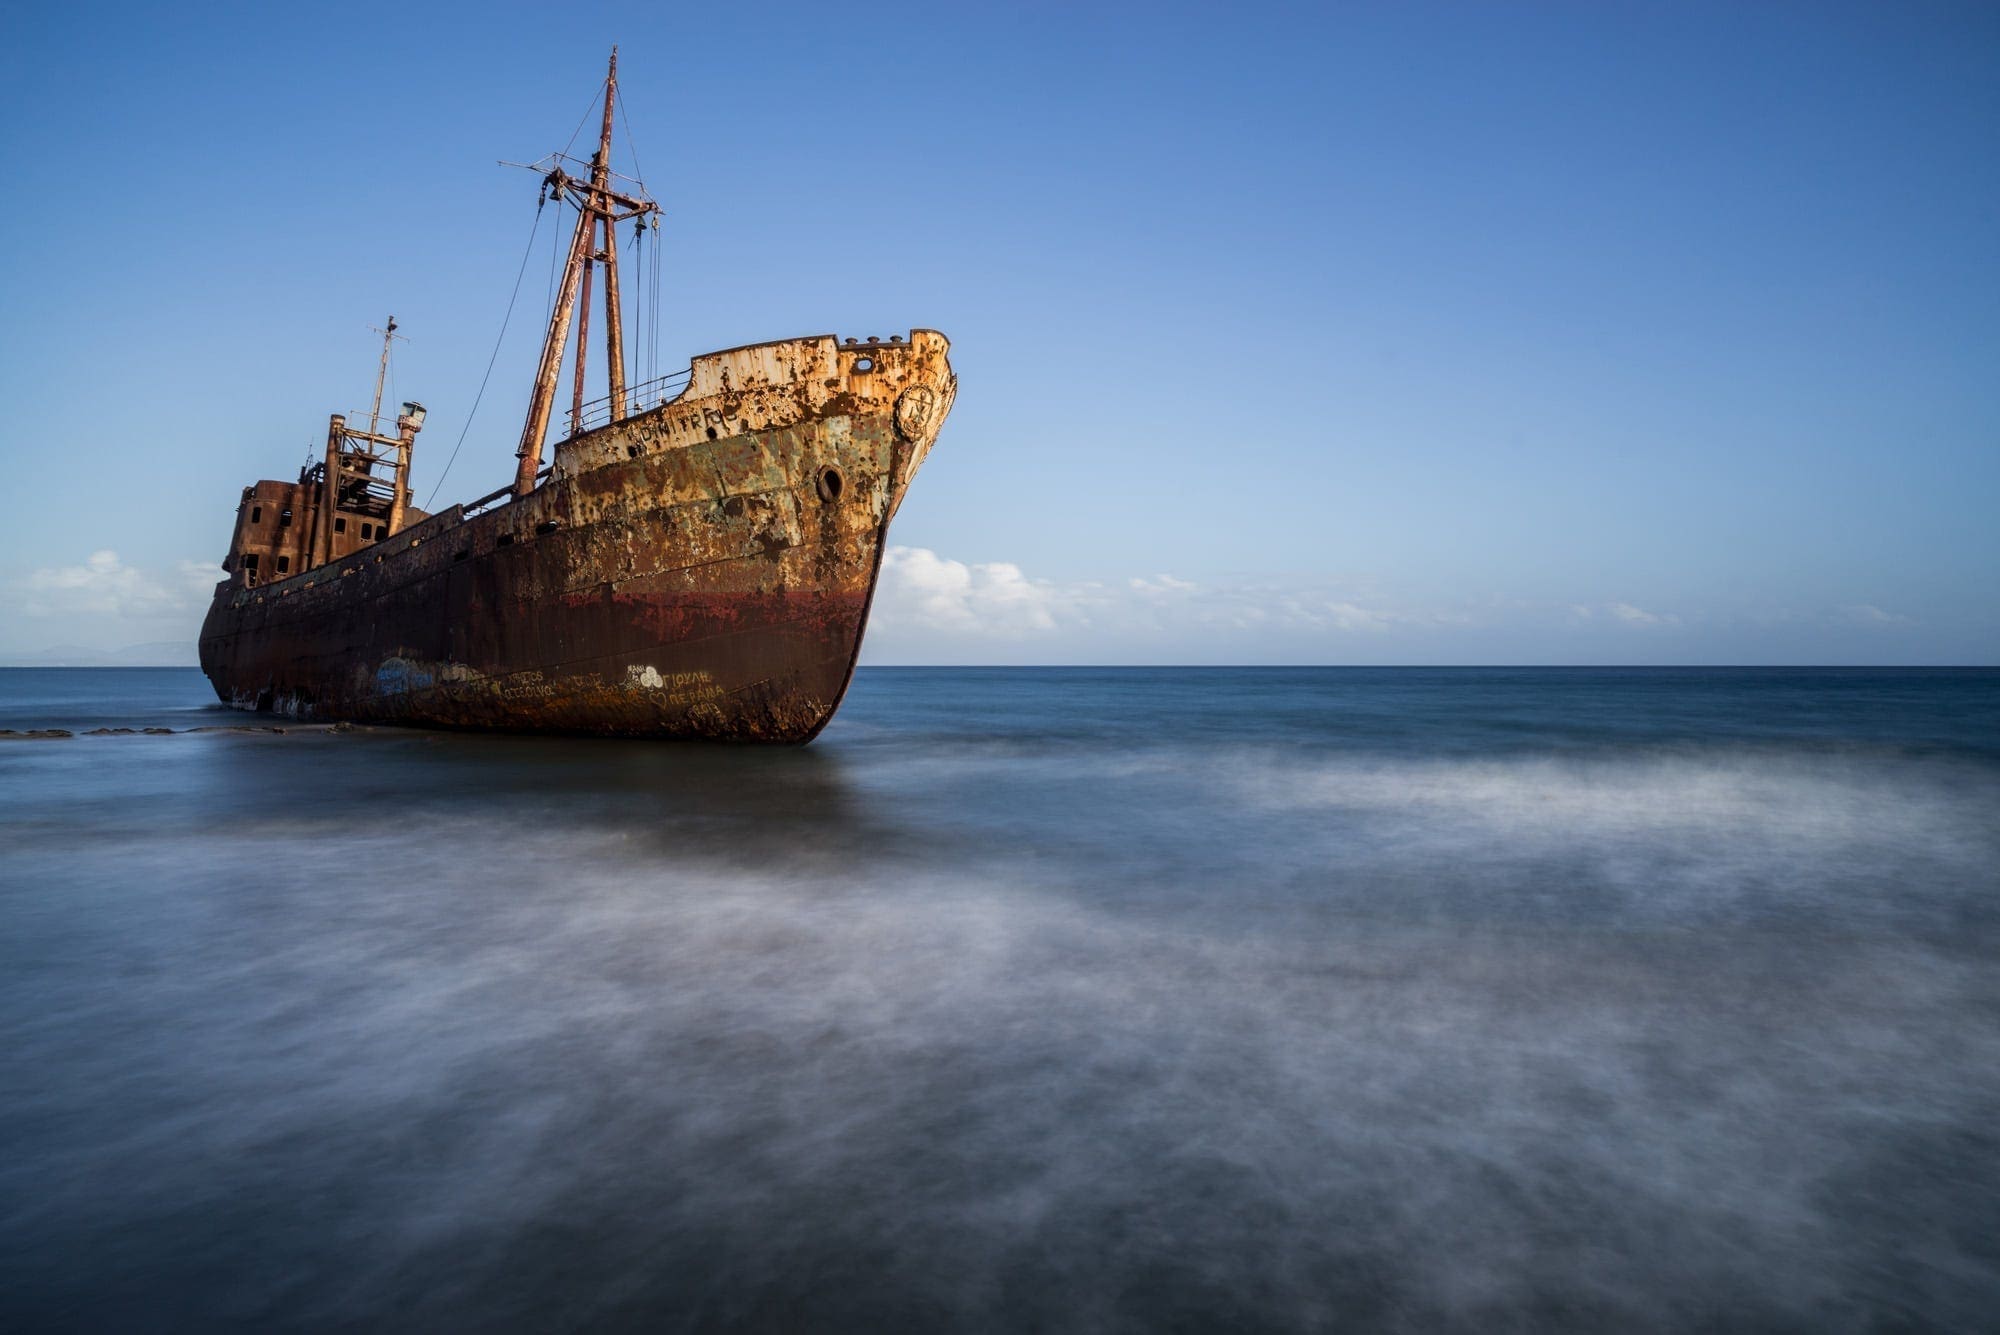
x=1373, y=333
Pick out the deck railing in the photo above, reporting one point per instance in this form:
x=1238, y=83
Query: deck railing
x=638, y=399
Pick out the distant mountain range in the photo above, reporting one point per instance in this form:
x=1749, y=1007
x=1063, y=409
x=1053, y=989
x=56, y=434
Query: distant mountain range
x=158, y=653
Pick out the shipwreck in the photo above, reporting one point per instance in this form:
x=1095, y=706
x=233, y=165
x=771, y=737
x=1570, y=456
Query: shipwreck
x=694, y=557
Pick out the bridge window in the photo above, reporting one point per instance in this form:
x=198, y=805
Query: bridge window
x=367, y=531
x=284, y=564
x=284, y=519
x=249, y=560
x=256, y=513
x=339, y=524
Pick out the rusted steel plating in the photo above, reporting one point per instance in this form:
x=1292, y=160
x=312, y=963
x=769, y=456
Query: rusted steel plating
x=702, y=568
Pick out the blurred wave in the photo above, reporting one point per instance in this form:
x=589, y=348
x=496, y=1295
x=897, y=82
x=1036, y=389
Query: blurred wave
x=1008, y=1006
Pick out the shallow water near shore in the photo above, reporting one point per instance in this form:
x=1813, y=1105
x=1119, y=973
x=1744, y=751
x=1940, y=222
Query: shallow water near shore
x=1096, y=999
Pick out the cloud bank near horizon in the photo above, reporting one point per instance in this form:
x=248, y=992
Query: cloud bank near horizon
x=932, y=608
x=103, y=585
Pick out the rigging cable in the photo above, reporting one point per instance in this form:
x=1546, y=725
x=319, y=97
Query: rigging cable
x=631, y=144
x=659, y=258
x=659, y=263
x=555, y=243
x=635, y=362
x=635, y=352
x=588, y=107
x=652, y=332
x=518, y=274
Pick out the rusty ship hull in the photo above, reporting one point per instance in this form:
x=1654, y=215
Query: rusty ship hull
x=702, y=568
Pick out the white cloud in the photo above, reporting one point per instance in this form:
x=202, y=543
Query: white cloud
x=921, y=588
x=1866, y=614
x=1639, y=616
x=103, y=585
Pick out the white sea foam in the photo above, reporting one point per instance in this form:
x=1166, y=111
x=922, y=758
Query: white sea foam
x=1243, y=1038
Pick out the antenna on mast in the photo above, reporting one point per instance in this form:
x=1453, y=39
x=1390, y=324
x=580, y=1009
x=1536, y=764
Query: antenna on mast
x=382, y=373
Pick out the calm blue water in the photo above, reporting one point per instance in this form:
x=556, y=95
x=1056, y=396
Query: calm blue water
x=1097, y=1000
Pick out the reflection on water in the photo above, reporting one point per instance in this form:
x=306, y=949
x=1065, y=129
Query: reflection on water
x=1123, y=1001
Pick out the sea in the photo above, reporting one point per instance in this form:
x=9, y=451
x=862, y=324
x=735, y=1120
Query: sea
x=1025, y=999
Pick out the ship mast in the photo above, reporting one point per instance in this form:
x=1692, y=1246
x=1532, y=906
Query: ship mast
x=598, y=206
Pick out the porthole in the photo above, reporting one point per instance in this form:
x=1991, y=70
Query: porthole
x=829, y=484
x=863, y=365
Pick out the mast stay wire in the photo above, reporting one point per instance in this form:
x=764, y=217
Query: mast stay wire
x=650, y=331
x=555, y=244
x=635, y=351
x=588, y=107
x=542, y=200
x=631, y=144
x=639, y=175
x=528, y=251
x=653, y=342
x=550, y=301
